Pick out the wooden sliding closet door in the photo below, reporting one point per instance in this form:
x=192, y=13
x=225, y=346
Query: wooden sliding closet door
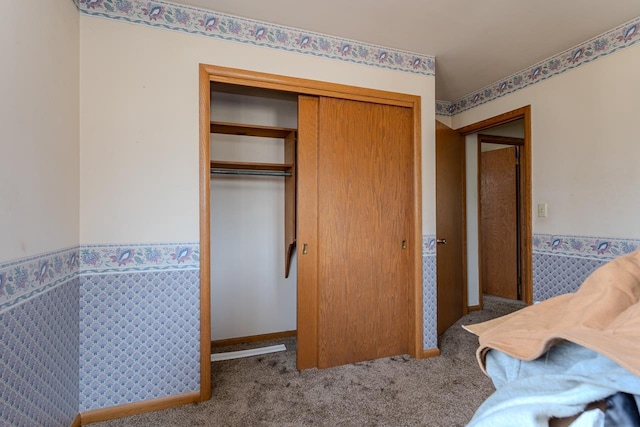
x=364, y=197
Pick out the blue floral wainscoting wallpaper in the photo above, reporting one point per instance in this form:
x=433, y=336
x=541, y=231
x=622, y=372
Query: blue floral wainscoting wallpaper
x=561, y=263
x=139, y=323
x=97, y=326
x=39, y=340
x=429, y=293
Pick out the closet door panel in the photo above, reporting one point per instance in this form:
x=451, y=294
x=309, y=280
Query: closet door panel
x=307, y=229
x=364, y=200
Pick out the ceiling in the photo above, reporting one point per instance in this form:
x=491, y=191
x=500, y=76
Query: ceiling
x=475, y=42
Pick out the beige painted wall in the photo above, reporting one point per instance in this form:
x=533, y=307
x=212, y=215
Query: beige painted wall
x=585, y=151
x=447, y=120
x=39, y=173
x=139, y=124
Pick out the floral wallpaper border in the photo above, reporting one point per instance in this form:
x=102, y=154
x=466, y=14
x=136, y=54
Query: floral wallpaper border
x=444, y=108
x=26, y=278
x=428, y=245
x=171, y=16
x=597, y=248
x=120, y=258
x=604, y=44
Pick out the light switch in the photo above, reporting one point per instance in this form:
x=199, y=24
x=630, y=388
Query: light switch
x=542, y=210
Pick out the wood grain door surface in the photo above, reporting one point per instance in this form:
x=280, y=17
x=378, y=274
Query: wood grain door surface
x=364, y=204
x=498, y=219
x=450, y=193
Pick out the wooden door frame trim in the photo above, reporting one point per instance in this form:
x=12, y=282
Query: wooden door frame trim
x=502, y=140
x=502, y=119
x=239, y=77
x=527, y=244
x=214, y=74
x=205, y=232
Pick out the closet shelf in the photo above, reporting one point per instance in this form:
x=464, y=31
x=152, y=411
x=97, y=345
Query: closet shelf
x=286, y=169
x=250, y=130
x=219, y=164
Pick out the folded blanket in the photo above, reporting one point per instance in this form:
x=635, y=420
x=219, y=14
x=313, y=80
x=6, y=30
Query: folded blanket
x=603, y=315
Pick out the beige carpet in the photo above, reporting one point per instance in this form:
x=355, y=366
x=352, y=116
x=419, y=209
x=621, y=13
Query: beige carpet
x=267, y=390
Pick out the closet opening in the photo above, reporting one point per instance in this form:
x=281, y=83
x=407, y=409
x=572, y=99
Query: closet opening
x=253, y=136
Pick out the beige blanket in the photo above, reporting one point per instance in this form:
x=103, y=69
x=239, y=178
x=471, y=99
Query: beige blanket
x=603, y=315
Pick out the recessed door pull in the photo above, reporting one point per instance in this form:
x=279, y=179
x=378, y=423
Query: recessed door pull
x=304, y=249
x=404, y=244
x=441, y=241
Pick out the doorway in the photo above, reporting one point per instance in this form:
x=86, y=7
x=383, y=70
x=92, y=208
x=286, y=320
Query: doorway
x=519, y=118
x=500, y=210
x=463, y=292
x=466, y=205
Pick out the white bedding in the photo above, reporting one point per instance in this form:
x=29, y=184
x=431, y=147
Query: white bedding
x=558, y=384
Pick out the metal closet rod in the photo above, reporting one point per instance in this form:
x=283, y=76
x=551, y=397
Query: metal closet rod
x=248, y=172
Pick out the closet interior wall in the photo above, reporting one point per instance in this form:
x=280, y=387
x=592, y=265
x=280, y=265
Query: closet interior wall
x=249, y=292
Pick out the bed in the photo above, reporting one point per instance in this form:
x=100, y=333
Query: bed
x=570, y=360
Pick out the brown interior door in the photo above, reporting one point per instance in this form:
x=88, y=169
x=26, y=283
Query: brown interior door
x=498, y=223
x=364, y=215
x=450, y=223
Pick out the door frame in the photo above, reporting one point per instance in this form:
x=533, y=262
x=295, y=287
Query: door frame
x=526, y=247
x=215, y=74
